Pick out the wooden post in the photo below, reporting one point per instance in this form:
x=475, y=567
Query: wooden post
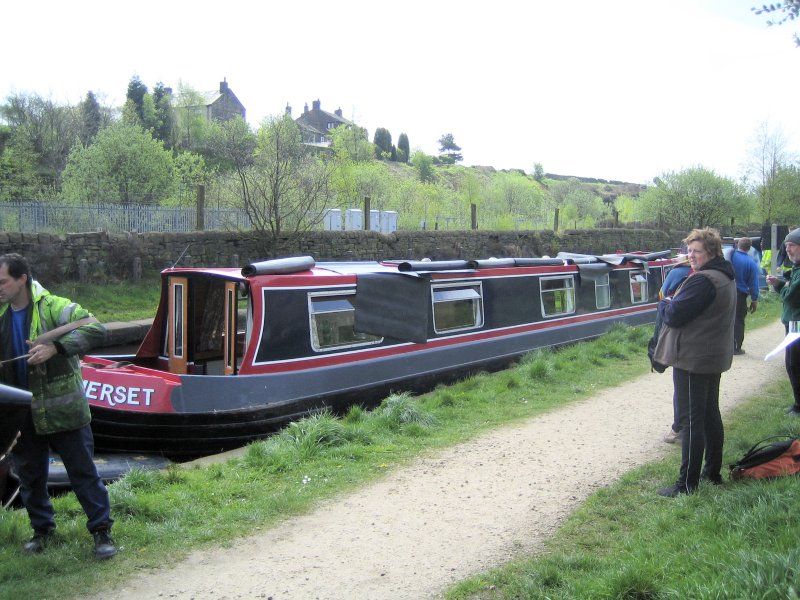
x=555, y=220
x=473, y=216
x=366, y=213
x=201, y=208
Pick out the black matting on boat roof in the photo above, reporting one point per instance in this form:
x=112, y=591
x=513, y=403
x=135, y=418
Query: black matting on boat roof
x=392, y=305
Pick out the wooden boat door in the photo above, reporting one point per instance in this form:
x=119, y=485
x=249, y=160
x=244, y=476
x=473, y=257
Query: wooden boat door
x=176, y=327
x=229, y=337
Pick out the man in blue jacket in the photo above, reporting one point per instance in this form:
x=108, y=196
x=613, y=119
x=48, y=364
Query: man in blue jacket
x=746, y=271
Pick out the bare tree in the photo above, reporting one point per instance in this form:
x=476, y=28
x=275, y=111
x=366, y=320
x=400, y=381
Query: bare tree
x=284, y=185
x=767, y=155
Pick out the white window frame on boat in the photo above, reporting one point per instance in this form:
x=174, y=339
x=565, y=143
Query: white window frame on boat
x=443, y=294
x=568, y=290
x=599, y=286
x=312, y=321
x=639, y=277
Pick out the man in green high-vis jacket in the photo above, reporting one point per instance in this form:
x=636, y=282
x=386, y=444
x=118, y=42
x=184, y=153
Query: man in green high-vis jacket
x=44, y=335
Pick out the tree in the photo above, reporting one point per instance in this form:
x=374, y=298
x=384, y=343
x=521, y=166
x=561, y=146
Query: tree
x=19, y=179
x=383, y=143
x=124, y=164
x=47, y=129
x=424, y=165
x=230, y=145
x=403, y=151
x=192, y=128
x=694, y=197
x=164, y=115
x=789, y=10
x=91, y=118
x=449, y=151
x=538, y=172
x=135, y=93
x=784, y=196
x=286, y=189
x=766, y=156
x=190, y=171
x=350, y=142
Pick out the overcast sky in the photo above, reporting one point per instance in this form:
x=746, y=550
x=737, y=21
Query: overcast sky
x=622, y=89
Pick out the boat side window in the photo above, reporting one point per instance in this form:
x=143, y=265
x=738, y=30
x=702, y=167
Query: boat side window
x=602, y=292
x=557, y=295
x=457, y=306
x=331, y=316
x=638, y=287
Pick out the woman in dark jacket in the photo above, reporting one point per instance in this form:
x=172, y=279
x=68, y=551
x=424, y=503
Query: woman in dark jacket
x=697, y=342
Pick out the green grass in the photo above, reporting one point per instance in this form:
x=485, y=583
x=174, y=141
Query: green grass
x=121, y=301
x=160, y=516
x=739, y=540
x=736, y=541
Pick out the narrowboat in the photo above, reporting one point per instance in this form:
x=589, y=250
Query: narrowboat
x=234, y=354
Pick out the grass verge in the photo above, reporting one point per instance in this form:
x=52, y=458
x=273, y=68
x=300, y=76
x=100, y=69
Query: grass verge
x=162, y=515
x=738, y=540
x=121, y=301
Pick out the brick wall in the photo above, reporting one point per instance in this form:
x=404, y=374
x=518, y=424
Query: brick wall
x=57, y=257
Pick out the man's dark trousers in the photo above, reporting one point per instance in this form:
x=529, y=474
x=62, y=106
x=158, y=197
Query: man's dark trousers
x=793, y=369
x=738, y=322
x=701, y=425
x=76, y=449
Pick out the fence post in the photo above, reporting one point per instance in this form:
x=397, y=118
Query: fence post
x=555, y=221
x=473, y=209
x=366, y=213
x=137, y=268
x=200, y=225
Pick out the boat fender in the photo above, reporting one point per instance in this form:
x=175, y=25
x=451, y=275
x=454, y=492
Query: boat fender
x=279, y=266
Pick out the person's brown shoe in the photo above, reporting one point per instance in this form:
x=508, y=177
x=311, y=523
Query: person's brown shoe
x=672, y=436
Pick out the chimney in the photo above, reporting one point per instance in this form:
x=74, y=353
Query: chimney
x=223, y=86
x=315, y=104
x=288, y=109
x=338, y=112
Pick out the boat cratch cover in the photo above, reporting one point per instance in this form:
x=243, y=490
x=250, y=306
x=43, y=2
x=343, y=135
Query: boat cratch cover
x=393, y=305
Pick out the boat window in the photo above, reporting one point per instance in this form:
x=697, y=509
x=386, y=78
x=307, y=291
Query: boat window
x=178, y=316
x=331, y=317
x=457, y=307
x=638, y=287
x=602, y=292
x=557, y=295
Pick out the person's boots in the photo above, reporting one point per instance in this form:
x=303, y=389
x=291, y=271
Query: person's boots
x=103, y=545
x=37, y=543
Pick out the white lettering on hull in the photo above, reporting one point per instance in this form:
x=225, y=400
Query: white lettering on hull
x=120, y=394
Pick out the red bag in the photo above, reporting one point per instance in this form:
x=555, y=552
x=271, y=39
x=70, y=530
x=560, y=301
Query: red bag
x=773, y=460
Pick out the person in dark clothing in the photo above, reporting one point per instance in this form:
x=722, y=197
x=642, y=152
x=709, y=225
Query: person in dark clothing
x=672, y=282
x=40, y=338
x=746, y=270
x=697, y=342
x=790, y=315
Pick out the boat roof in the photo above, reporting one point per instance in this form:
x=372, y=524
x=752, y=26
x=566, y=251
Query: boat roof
x=307, y=266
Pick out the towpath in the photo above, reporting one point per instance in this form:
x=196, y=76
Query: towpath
x=457, y=512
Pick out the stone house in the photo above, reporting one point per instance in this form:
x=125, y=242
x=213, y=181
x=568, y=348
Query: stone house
x=222, y=105
x=316, y=123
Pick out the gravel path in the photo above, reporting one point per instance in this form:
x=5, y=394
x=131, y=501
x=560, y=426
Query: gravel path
x=455, y=513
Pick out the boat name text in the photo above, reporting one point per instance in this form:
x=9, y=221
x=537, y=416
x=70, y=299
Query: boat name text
x=119, y=394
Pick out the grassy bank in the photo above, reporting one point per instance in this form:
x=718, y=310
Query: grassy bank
x=738, y=540
x=162, y=515
x=120, y=301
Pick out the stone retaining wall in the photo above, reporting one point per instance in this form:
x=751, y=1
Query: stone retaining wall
x=107, y=255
